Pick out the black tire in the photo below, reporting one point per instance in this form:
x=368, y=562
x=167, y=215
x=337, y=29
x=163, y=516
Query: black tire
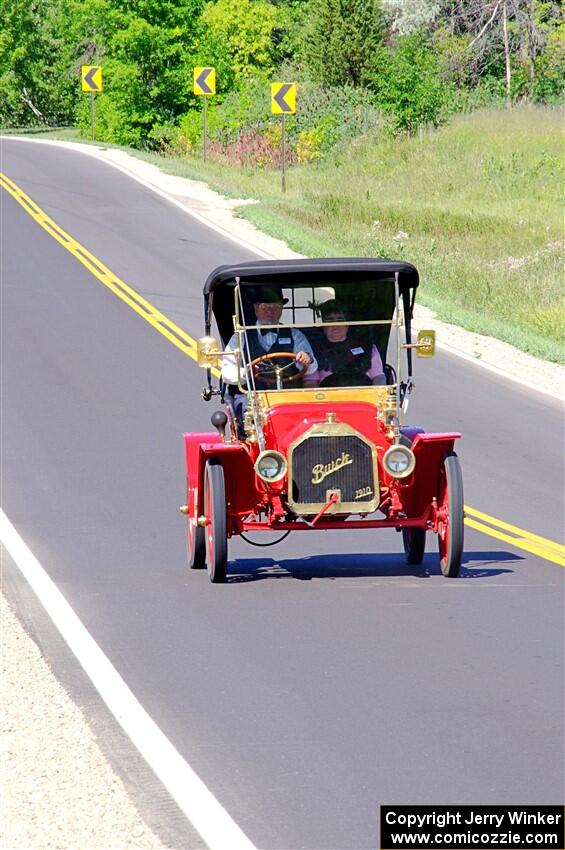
x=451, y=531
x=414, y=540
x=195, y=544
x=216, y=514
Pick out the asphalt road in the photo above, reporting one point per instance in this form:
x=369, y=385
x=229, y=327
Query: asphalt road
x=326, y=676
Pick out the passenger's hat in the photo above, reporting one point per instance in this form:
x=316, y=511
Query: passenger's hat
x=268, y=295
x=334, y=308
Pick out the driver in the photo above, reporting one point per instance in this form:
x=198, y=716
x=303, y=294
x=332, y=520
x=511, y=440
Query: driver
x=268, y=303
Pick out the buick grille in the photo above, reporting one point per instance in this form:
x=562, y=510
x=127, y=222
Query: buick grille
x=323, y=463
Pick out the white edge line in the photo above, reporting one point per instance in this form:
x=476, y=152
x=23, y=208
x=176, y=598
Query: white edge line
x=210, y=819
x=98, y=154
x=456, y=352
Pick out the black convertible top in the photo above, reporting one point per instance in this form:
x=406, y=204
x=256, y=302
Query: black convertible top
x=285, y=273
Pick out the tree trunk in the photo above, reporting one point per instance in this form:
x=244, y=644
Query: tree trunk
x=29, y=102
x=506, y=53
x=530, y=39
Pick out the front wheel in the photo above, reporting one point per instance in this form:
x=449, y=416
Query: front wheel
x=450, y=516
x=414, y=540
x=216, y=521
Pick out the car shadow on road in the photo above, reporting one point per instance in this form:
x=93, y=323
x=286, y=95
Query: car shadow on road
x=483, y=564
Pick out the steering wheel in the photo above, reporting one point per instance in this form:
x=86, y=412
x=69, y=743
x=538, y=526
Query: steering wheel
x=277, y=370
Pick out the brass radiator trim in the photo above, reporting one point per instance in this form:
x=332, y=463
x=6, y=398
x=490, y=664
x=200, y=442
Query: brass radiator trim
x=359, y=506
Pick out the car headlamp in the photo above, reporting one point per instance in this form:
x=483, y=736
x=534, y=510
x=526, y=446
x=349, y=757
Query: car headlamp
x=271, y=466
x=399, y=461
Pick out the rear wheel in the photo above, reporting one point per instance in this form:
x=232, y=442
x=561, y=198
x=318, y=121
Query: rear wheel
x=216, y=521
x=450, y=516
x=414, y=540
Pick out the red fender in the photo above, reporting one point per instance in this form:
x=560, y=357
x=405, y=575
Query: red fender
x=242, y=494
x=417, y=492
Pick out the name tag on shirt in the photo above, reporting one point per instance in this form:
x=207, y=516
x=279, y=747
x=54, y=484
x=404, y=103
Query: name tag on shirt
x=357, y=350
x=285, y=341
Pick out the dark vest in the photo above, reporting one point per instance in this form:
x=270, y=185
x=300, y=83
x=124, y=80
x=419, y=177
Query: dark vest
x=351, y=356
x=257, y=350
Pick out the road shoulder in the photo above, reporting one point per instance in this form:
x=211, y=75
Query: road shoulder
x=58, y=789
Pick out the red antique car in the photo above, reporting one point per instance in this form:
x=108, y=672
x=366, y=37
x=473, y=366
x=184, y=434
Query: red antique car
x=316, y=372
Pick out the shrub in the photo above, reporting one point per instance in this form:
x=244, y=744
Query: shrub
x=489, y=92
x=163, y=138
x=308, y=146
x=409, y=86
x=549, y=83
x=243, y=129
x=338, y=113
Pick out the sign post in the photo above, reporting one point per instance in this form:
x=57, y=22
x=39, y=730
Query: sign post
x=283, y=140
x=204, y=85
x=91, y=76
x=283, y=102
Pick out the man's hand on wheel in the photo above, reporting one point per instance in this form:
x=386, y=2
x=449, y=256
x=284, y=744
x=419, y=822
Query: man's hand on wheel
x=303, y=359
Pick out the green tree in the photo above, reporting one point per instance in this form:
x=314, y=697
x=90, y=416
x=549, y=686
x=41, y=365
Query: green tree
x=36, y=86
x=144, y=47
x=145, y=50
x=341, y=40
x=292, y=19
x=408, y=84
x=548, y=79
x=236, y=37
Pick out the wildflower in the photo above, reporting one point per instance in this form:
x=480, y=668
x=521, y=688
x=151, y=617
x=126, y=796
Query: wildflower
x=515, y=263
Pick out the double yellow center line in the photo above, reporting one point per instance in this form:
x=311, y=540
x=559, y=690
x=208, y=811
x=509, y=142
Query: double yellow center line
x=541, y=546
x=518, y=537
x=132, y=298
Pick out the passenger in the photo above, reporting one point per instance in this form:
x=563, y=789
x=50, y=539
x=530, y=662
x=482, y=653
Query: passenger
x=344, y=360
x=268, y=303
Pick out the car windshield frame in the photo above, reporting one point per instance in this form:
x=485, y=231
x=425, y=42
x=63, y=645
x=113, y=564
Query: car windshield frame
x=291, y=275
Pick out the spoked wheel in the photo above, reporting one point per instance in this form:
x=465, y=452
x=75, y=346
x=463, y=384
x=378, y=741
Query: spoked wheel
x=414, y=540
x=216, y=527
x=195, y=544
x=275, y=375
x=450, y=516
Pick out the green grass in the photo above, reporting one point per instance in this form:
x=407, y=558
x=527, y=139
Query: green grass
x=476, y=205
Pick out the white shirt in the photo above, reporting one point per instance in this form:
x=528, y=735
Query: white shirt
x=266, y=340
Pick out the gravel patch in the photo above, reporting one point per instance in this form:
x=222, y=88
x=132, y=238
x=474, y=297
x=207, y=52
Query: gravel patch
x=57, y=788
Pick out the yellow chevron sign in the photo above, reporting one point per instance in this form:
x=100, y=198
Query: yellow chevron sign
x=204, y=81
x=91, y=78
x=283, y=98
